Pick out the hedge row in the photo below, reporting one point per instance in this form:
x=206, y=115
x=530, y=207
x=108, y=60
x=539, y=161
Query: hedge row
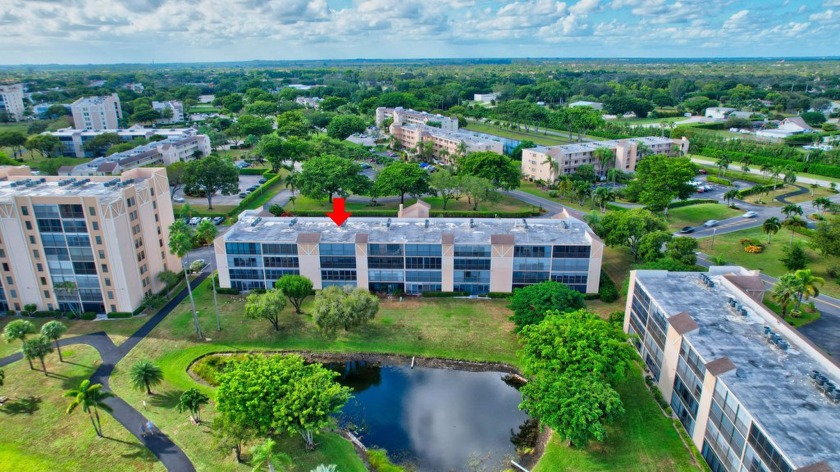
x=718, y=180
x=244, y=204
x=499, y=294
x=254, y=171
x=119, y=315
x=443, y=294
x=757, y=189
x=693, y=201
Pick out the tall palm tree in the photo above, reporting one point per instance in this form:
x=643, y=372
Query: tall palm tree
x=144, y=374
x=18, y=330
x=790, y=176
x=602, y=196
x=745, y=164
x=814, y=186
x=722, y=165
x=785, y=291
x=91, y=399
x=53, y=330
x=808, y=285
x=180, y=243
x=793, y=223
x=730, y=196
x=821, y=203
x=766, y=169
x=37, y=348
x=205, y=234
x=770, y=227
x=192, y=400
x=791, y=209
x=605, y=157
x=552, y=168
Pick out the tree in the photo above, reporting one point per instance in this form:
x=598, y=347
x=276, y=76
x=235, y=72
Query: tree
x=181, y=243
x=652, y=245
x=265, y=454
x=176, y=173
x=343, y=308
x=791, y=209
x=266, y=306
x=29, y=309
x=602, y=196
x=478, y=190
x=14, y=140
x=573, y=361
x=204, y=234
x=18, y=330
x=37, y=348
x=211, y=175
x=192, y=400
x=585, y=173
x=813, y=118
x=53, y=330
x=101, y=142
x=730, y=196
x=793, y=223
x=271, y=147
x=2, y=377
x=280, y=393
x=293, y=123
x=821, y=203
x=682, y=250
x=91, y=399
x=446, y=185
x=69, y=288
x=794, y=257
x=230, y=435
x=342, y=126
x=807, y=285
x=249, y=125
x=403, y=177
x=826, y=237
x=516, y=154
x=144, y=374
x=45, y=144
x=530, y=304
x=785, y=291
x=296, y=288
x=626, y=228
x=723, y=164
x=261, y=108
x=328, y=175
x=770, y=227
x=605, y=158
x=499, y=170
x=660, y=179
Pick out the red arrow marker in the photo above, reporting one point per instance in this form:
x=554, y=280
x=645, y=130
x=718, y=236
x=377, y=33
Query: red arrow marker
x=338, y=215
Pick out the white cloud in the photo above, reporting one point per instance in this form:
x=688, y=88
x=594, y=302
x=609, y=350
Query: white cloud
x=825, y=16
x=584, y=6
x=831, y=3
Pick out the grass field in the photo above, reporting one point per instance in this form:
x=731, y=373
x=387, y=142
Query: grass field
x=641, y=440
x=739, y=165
x=695, y=215
x=728, y=247
x=533, y=189
x=806, y=316
x=538, y=138
x=118, y=330
x=38, y=435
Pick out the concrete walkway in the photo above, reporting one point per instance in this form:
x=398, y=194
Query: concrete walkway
x=161, y=446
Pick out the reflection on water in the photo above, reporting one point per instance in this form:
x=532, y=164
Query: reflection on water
x=440, y=420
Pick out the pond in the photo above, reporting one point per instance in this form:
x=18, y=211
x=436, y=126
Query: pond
x=436, y=419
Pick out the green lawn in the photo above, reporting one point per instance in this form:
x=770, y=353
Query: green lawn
x=737, y=165
x=503, y=204
x=118, y=330
x=694, y=215
x=729, y=247
x=37, y=435
x=641, y=440
x=538, y=138
x=203, y=109
x=805, y=318
x=448, y=328
x=571, y=202
x=647, y=121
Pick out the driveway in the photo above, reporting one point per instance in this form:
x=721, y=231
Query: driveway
x=245, y=181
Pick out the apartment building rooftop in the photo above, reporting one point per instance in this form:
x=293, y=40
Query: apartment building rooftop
x=92, y=101
x=591, y=146
x=134, y=131
x=251, y=227
x=454, y=136
x=53, y=186
x=772, y=382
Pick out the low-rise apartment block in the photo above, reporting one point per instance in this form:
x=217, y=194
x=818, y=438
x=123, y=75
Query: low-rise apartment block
x=74, y=140
x=447, y=144
x=402, y=116
x=95, y=244
x=485, y=97
x=97, y=112
x=173, y=108
x=11, y=101
x=410, y=255
x=548, y=163
x=751, y=391
x=309, y=102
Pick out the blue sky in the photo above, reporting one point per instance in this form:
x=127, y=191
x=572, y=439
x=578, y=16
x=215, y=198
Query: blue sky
x=111, y=31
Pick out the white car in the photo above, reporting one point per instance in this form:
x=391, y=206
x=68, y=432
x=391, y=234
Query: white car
x=711, y=223
x=750, y=214
x=178, y=199
x=195, y=220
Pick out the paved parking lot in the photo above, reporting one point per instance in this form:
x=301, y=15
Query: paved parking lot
x=245, y=181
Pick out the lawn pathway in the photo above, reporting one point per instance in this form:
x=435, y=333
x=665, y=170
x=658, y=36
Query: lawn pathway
x=161, y=446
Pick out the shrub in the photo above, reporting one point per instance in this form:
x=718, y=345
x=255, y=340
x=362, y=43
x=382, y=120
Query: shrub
x=499, y=294
x=833, y=271
x=607, y=290
x=379, y=461
x=718, y=180
x=119, y=315
x=693, y=201
x=227, y=291
x=46, y=314
x=11, y=313
x=88, y=316
x=209, y=367
x=753, y=249
x=444, y=294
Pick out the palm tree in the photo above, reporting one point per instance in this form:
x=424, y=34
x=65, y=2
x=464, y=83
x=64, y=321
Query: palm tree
x=770, y=227
x=18, y=330
x=808, y=285
x=790, y=176
x=814, y=186
x=793, y=223
x=730, y=196
x=785, y=291
x=602, y=196
x=53, y=330
x=766, y=169
x=180, y=243
x=68, y=287
x=264, y=454
x=91, y=398
x=144, y=374
x=775, y=172
x=205, y=234
x=722, y=165
x=192, y=401
x=37, y=348
x=552, y=168
x=745, y=164
x=605, y=157
x=791, y=209
x=821, y=203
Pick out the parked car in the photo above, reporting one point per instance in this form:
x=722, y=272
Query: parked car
x=263, y=180
x=711, y=223
x=750, y=214
x=365, y=166
x=178, y=199
x=206, y=218
x=687, y=229
x=243, y=194
x=218, y=220
x=195, y=220
x=703, y=171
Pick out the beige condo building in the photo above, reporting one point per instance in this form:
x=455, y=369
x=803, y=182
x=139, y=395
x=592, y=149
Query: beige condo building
x=97, y=112
x=446, y=144
x=106, y=236
x=548, y=163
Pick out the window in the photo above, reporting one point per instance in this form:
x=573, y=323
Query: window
x=95, y=226
x=13, y=294
x=31, y=239
x=105, y=268
x=6, y=266
x=107, y=282
x=28, y=225
x=110, y=295
x=113, y=307
x=101, y=254
x=9, y=280
x=92, y=211
x=36, y=254
x=97, y=238
x=40, y=267
x=46, y=294
x=43, y=281
x=24, y=211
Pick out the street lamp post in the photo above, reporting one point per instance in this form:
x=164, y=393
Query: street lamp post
x=714, y=233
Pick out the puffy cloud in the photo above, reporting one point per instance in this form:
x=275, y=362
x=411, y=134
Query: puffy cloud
x=828, y=15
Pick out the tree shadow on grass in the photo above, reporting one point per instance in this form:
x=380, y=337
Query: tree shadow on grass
x=138, y=451
x=168, y=399
x=22, y=406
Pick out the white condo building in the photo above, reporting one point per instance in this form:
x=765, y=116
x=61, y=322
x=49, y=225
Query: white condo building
x=176, y=109
x=402, y=116
x=11, y=101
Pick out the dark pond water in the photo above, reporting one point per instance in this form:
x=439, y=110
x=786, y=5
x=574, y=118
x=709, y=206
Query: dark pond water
x=437, y=419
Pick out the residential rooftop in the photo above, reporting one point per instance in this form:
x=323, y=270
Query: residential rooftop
x=562, y=231
x=457, y=136
x=772, y=383
x=53, y=186
x=592, y=146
